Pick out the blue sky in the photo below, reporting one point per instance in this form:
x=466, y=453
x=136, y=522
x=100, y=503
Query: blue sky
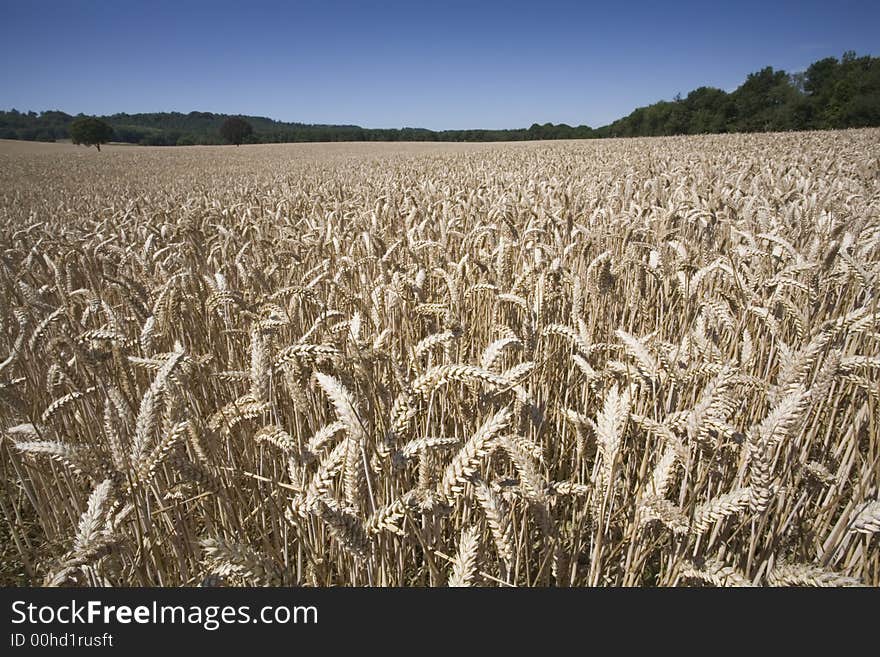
x=447, y=64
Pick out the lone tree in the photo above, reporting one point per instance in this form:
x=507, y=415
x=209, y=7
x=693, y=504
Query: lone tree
x=90, y=131
x=236, y=130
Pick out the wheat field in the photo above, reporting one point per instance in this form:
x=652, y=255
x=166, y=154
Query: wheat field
x=646, y=362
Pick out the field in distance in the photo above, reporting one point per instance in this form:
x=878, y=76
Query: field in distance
x=606, y=362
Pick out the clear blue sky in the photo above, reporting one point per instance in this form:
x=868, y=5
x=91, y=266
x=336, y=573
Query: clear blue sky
x=443, y=65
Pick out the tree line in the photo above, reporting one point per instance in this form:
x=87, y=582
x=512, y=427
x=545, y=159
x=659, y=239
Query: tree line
x=830, y=94
x=177, y=129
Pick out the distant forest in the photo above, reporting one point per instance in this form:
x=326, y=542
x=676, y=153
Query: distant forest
x=176, y=129
x=830, y=94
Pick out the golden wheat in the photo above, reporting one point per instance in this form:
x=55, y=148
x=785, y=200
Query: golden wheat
x=619, y=362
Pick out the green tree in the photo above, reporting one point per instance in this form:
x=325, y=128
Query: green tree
x=236, y=130
x=89, y=131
